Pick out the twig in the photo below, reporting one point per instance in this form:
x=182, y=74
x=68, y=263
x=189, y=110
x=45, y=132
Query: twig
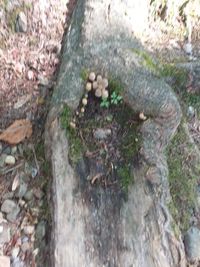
x=35, y=158
x=11, y=169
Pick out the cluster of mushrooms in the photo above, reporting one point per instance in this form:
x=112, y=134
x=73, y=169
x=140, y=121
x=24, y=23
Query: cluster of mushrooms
x=98, y=85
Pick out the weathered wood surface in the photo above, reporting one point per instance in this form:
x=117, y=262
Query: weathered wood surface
x=95, y=228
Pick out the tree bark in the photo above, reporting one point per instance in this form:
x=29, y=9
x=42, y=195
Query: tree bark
x=96, y=228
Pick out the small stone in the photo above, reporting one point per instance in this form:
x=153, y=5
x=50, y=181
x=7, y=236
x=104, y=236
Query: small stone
x=190, y=112
x=88, y=87
x=92, y=76
x=21, y=22
x=5, y=234
x=22, y=189
x=10, y=160
x=102, y=133
x=15, y=252
x=29, y=195
x=43, y=80
x=30, y=75
x=29, y=230
x=192, y=243
x=25, y=246
x=8, y=206
x=4, y=261
x=13, y=150
x=11, y=217
x=40, y=230
x=188, y=48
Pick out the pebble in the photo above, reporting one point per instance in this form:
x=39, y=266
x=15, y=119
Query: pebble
x=11, y=217
x=102, y=133
x=29, y=230
x=4, y=261
x=40, y=230
x=8, y=206
x=10, y=160
x=22, y=189
x=192, y=243
x=5, y=234
x=13, y=149
x=21, y=22
x=25, y=246
x=2, y=159
x=29, y=195
x=15, y=252
x=190, y=112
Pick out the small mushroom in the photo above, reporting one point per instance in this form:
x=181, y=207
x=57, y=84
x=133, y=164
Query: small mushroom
x=84, y=101
x=105, y=82
x=99, y=78
x=105, y=94
x=92, y=76
x=142, y=116
x=72, y=125
x=94, y=85
x=98, y=93
x=82, y=110
x=88, y=86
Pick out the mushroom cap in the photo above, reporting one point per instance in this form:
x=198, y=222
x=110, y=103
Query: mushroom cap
x=84, y=101
x=72, y=125
x=105, y=94
x=105, y=82
x=99, y=78
x=100, y=86
x=142, y=116
x=98, y=93
x=92, y=76
x=88, y=86
x=94, y=85
x=82, y=110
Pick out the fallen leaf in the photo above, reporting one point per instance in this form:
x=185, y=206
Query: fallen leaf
x=17, y=132
x=15, y=183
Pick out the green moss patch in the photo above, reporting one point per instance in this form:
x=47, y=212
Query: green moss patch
x=184, y=169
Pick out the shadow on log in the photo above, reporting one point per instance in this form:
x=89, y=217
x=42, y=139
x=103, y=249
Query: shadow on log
x=99, y=227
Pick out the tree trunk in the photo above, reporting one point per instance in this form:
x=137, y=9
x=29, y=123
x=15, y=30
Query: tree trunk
x=95, y=227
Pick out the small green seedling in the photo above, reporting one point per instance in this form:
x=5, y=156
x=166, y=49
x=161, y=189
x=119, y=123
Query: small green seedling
x=105, y=103
x=115, y=98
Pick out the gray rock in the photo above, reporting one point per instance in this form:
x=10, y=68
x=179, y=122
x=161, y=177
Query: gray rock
x=101, y=134
x=190, y=112
x=192, y=243
x=21, y=23
x=40, y=230
x=12, y=216
x=10, y=160
x=22, y=189
x=29, y=229
x=5, y=235
x=29, y=195
x=18, y=263
x=8, y=206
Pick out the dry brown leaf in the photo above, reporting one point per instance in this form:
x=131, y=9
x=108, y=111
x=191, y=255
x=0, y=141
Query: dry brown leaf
x=17, y=132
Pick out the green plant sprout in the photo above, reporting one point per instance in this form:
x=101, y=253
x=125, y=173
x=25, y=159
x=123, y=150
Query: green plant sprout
x=105, y=103
x=115, y=98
